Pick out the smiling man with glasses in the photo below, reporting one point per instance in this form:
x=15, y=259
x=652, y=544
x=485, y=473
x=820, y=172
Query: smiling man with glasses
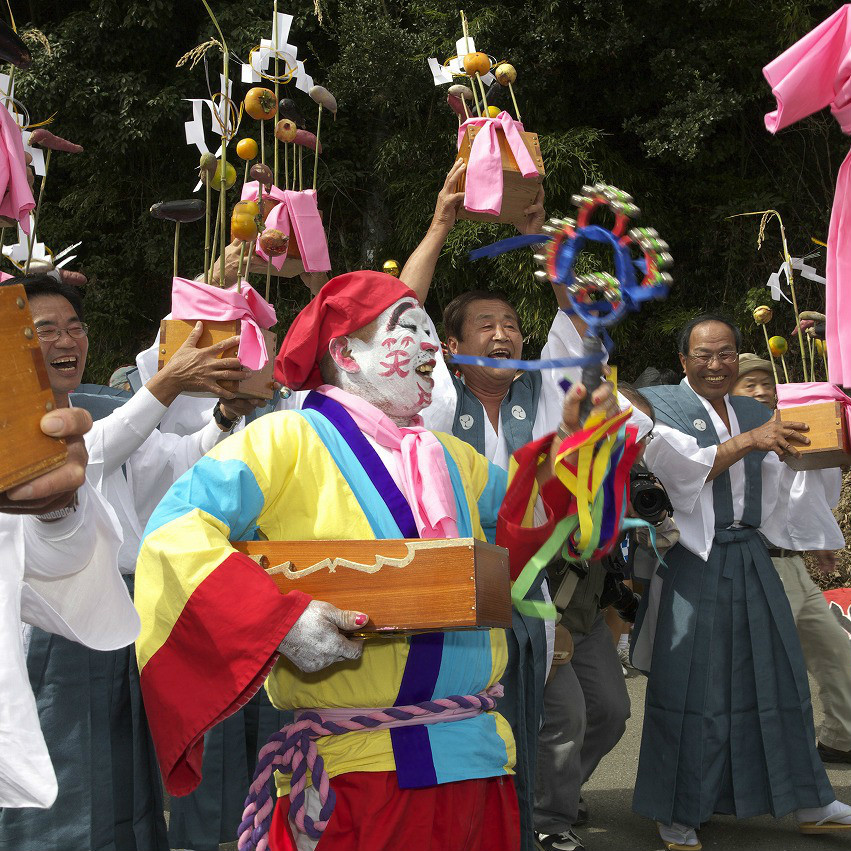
x=728, y=723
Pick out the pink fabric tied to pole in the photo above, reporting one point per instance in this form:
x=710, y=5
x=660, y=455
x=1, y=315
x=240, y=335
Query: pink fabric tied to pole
x=483, y=185
x=812, y=74
x=16, y=197
x=194, y=300
x=295, y=214
x=812, y=393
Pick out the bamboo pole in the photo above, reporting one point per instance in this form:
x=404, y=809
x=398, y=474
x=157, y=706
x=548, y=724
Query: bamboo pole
x=207, y=253
x=316, y=149
x=770, y=355
x=767, y=215
x=176, y=246
x=33, y=235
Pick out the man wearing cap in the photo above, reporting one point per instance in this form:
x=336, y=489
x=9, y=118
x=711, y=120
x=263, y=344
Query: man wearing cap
x=728, y=723
x=354, y=463
x=827, y=650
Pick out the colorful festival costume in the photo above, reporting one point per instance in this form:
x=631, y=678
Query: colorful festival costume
x=213, y=620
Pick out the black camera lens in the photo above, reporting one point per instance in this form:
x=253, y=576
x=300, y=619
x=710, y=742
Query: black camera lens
x=649, y=498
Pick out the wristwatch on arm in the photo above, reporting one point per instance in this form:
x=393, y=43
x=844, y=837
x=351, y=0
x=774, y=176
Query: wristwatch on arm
x=222, y=421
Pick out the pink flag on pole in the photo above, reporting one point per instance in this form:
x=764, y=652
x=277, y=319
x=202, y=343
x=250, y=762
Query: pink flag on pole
x=813, y=73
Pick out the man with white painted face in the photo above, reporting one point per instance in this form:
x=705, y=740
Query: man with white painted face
x=353, y=463
x=728, y=724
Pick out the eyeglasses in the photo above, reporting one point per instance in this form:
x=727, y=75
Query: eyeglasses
x=727, y=356
x=50, y=334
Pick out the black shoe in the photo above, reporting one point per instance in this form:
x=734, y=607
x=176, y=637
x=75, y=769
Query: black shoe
x=829, y=754
x=567, y=841
x=581, y=813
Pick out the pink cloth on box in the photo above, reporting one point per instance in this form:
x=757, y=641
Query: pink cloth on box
x=812, y=74
x=811, y=393
x=297, y=215
x=420, y=463
x=194, y=300
x=16, y=197
x=483, y=185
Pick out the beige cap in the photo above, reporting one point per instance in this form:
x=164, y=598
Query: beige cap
x=748, y=362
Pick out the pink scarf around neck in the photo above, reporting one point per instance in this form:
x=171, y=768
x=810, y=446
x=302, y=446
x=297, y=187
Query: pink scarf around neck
x=420, y=463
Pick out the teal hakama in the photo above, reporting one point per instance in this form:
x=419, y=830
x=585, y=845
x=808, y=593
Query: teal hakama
x=728, y=724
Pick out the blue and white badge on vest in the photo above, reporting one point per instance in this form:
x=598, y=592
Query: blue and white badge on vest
x=466, y=421
x=518, y=413
x=700, y=425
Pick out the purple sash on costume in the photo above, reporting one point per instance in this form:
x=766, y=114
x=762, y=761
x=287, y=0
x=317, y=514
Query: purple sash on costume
x=416, y=768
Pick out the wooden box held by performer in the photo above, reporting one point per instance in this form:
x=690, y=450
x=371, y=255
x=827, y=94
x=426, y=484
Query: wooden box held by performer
x=828, y=434
x=258, y=385
x=518, y=192
x=404, y=585
x=27, y=451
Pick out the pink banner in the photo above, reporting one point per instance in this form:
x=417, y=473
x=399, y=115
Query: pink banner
x=812, y=74
x=194, y=300
x=483, y=187
x=16, y=197
x=295, y=214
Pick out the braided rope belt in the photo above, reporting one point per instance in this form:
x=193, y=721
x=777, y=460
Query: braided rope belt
x=293, y=751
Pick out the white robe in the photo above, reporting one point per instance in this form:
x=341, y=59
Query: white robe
x=152, y=460
x=61, y=577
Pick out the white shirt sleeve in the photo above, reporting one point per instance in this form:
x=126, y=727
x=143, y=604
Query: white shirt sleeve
x=563, y=341
x=62, y=577
x=682, y=467
x=797, y=507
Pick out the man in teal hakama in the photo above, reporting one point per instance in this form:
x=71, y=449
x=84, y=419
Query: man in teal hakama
x=728, y=725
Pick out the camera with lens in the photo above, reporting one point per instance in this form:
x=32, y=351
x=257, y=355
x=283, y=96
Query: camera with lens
x=650, y=500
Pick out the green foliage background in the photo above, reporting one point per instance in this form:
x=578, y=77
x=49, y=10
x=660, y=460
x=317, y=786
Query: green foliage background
x=664, y=98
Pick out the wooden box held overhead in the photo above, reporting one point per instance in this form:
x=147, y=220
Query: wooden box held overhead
x=293, y=265
x=829, y=441
x=258, y=385
x=404, y=585
x=27, y=451
x=518, y=192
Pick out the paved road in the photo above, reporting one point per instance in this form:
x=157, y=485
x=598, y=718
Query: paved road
x=614, y=827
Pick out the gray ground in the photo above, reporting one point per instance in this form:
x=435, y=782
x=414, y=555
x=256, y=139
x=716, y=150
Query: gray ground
x=613, y=825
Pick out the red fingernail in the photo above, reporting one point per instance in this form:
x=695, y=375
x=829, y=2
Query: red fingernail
x=360, y=620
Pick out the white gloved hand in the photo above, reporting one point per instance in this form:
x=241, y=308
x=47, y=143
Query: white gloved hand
x=316, y=639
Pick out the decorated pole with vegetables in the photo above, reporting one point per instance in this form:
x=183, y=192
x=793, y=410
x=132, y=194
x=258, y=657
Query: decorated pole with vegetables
x=179, y=212
x=762, y=315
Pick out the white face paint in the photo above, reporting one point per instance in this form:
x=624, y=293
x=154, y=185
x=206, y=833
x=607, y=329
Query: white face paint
x=393, y=369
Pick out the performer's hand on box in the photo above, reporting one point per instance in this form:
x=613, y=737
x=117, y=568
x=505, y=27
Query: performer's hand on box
x=316, y=639
x=58, y=488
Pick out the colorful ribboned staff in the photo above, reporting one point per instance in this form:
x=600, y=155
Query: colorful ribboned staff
x=593, y=464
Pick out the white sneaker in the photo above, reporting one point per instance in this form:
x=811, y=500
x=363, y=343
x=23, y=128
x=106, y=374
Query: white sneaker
x=567, y=841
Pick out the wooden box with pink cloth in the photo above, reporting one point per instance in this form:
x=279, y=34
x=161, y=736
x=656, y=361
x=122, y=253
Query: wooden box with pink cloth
x=505, y=168
x=275, y=226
